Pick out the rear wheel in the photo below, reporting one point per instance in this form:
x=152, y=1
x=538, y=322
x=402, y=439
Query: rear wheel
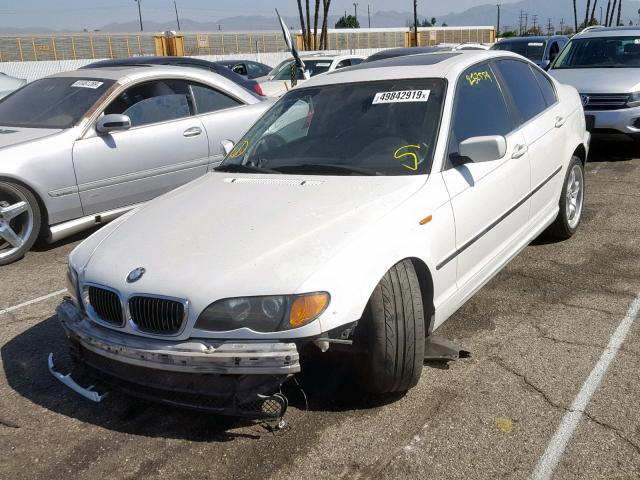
x=571, y=202
x=390, y=337
x=19, y=221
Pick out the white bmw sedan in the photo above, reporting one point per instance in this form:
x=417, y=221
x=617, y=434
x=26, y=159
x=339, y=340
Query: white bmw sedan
x=361, y=211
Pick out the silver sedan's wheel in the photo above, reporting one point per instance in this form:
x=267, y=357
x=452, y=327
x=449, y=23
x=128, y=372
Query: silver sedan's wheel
x=571, y=202
x=19, y=221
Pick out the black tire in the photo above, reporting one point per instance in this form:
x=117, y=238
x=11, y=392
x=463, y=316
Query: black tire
x=389, y=339
x=10, y=193
x=562, y=228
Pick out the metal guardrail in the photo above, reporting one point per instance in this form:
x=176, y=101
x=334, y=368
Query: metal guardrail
x=25, y=48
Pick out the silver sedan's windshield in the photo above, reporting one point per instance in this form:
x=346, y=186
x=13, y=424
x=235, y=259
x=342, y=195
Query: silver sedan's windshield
x=373, y=128
x=601, y=52
x=57, y=102
x=533, y=50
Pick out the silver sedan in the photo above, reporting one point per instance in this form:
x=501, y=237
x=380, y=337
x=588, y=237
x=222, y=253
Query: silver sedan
x=81, y=148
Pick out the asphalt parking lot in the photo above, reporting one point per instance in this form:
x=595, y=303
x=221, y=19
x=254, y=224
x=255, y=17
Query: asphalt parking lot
x=536, y=332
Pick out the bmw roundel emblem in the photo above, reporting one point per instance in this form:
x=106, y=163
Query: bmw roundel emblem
x=585, y=100
x=135, y=275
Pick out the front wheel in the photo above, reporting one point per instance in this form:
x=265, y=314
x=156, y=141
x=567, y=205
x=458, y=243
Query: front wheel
x=571, y=202
x=19, y=221
x=389, y=339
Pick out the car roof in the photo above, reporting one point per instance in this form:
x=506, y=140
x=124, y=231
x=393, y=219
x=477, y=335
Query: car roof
x=136, y=72
x=609, y=32
x=426, y=65
x=402, y=51
x=539, y=38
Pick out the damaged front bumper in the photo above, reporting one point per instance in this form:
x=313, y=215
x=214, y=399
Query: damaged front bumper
x=231, y=377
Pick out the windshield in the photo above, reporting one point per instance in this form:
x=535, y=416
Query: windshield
x=601, y=52
x=57, y=102
x=533, y=50
x=373, y=128
x=314, y=67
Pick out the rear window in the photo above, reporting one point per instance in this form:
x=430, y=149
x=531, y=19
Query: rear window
x=58, y=102
x=533, y=50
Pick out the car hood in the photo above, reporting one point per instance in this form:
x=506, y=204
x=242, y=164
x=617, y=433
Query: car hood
x=10, y=136
x=600, y=80
x=232, y=235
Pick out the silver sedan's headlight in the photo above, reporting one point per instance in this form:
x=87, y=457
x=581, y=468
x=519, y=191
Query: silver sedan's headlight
x=634, y=100
x=263, y=314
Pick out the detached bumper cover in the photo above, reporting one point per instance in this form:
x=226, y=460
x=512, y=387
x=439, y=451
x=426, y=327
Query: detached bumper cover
x=191, y=356
x=231, y=378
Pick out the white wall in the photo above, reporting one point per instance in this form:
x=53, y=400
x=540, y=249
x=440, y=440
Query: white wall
x=35, y=70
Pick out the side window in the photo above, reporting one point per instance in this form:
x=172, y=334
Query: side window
x=153, y=102
x=343, y=63
x=356, y=61
x=554, y=50
x=548, y=92
x=523, y=87
x=240, y=69
x=210, y=100
x=479, y=109
x=254, y=70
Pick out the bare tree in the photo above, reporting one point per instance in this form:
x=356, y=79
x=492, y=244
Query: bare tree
x=315, y=26
x=302, y=26
x=575, y=15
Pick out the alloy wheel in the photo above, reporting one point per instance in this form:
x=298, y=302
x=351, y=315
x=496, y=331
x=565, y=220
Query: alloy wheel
x=16, y=221
x=574, y=196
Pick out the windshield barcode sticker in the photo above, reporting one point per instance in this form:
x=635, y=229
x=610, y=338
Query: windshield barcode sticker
x=401, y=96
x=87, y=84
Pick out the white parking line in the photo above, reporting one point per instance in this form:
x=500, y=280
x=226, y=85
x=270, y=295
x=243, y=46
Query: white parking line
x=31, y=302
x=551, y=457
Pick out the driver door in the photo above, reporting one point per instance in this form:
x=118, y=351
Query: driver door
x=165, y=147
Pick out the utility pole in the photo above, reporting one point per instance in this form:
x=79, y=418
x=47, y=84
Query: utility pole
x=549, y=28
x=526, y=23
x=369, y=14
x=175, y=6
x=498, y=27
x=520, y=24
x=562, y=27
x=600, y=15
x=535, y=23
x=415, y=20
x=139, y=13
x=355, y=10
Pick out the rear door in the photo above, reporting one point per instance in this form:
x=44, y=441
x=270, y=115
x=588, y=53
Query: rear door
x=541, y=120
x=165, y=147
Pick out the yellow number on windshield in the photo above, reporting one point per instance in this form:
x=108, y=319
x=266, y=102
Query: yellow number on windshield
x=399, y=154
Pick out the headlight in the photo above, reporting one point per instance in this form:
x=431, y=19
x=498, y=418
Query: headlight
x=72, y=285
x=634, y=100
x=263, y=314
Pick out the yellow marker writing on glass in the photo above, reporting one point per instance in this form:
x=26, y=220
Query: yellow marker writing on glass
x=476, y=77
x=240, y=149
x=399, y=154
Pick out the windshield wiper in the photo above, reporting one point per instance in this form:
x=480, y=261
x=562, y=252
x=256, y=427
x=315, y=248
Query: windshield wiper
x=326, y=167
x=240, y=168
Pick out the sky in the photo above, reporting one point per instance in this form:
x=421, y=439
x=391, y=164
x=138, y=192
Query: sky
x=90, y=14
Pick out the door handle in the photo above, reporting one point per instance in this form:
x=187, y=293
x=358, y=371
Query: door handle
x=560, y=121
x=192, y=132
x=519, y=151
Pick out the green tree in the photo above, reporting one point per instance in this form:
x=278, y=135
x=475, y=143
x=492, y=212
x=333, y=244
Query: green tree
x=348, y=22
x=433, y=21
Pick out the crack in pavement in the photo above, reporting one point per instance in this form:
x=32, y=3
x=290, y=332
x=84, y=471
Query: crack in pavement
x=615, y=430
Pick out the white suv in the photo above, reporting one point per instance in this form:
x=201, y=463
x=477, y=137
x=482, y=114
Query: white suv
x=604, y=66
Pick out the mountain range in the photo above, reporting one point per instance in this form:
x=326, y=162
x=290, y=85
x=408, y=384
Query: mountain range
x=543, y=10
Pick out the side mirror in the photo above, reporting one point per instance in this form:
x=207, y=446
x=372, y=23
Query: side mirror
x=113, y=123
x=227, y=146
x=545, y=64
x=484, y=149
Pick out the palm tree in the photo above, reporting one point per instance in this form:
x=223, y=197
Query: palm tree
x=606, y=18
x=324, y=36
x=315, y=26
x=303, y=26
x=613, y=12
x=593, y=12
x=586, y=14
x=619, y=12
x=575, y=15
x=308, y=26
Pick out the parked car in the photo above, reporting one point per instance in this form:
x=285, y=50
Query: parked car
x=279, y=79
x=214, y=67
x=404, y=51
x=604, y=65
x=246, y=68
x=540, y=50
x=82, y=147
x=361, y=211
x=9, y=84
